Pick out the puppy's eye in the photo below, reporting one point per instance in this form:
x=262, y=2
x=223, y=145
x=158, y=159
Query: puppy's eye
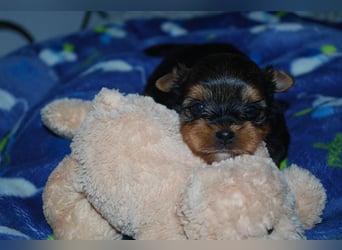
x=197, y=109
x=252, y=113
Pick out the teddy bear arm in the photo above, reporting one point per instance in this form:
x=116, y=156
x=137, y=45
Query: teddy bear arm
x=64, y=116
x=67, y=210
x=211, y=207
x=245, y=198
x=309, y=193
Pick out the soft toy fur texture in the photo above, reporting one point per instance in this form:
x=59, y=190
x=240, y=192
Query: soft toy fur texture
x=130, y=173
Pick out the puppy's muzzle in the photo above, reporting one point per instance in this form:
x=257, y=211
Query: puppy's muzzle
x=225, y=137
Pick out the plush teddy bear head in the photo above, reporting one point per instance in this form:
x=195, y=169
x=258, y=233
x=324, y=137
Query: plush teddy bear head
x=130, y=173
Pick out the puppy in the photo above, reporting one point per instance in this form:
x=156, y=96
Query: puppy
x=225, y=101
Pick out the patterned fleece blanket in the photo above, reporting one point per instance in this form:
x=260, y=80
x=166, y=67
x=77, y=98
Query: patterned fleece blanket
x=80, y=64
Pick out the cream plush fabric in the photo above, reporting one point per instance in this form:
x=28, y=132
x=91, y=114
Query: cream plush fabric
x=130, y=173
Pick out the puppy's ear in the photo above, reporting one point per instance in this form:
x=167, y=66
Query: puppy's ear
x=282, y=81
x=168, y=81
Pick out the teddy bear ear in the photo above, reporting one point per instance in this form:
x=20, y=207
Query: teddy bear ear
x=108, y=99
x=64, y=116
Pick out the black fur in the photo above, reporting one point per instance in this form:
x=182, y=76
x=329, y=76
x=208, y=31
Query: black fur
x=224, y=71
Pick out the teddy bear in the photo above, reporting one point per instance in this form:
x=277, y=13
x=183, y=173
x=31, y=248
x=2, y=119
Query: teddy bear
x=129, y=173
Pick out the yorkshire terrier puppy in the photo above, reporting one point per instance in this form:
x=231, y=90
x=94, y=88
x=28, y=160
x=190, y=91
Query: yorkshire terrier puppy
x=225, y=101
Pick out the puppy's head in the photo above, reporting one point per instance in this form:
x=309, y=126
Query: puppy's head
x=226, y=101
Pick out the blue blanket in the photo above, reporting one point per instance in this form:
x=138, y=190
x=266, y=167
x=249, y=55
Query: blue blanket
x=80, y=64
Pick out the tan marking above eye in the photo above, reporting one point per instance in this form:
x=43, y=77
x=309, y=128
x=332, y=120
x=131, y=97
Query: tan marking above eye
x=251, y=94
x=197, y=92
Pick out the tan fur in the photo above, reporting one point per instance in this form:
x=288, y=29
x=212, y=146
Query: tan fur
x=201, y=139
x=251, y=94
x=129, y=172
x=198, y=135
x=197, y=92
x=248, y=136
x=282, y=81
x=165, y=83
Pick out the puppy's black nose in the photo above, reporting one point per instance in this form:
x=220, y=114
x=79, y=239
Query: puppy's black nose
x=225, y=136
